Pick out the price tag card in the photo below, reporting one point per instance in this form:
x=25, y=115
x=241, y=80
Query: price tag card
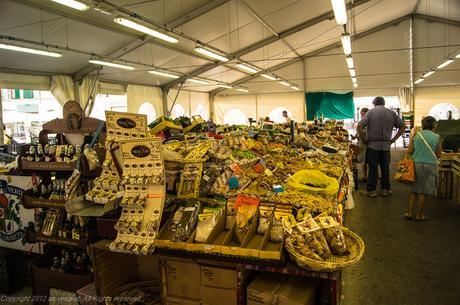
x=235, y=168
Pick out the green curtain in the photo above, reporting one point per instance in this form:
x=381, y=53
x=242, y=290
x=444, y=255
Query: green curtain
x=331, y=105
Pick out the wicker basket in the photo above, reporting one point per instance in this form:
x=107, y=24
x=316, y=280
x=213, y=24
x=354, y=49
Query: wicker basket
x=356, y=250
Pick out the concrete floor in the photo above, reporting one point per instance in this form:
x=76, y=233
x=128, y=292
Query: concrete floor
x=405, y=262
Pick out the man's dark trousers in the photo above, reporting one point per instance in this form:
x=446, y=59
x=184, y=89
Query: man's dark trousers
x=376, y=158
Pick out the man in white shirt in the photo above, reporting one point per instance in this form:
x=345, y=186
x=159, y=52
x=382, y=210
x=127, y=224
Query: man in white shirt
x=286, y=116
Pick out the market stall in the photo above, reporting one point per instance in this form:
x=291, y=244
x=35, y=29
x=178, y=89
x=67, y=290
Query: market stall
x=266, y=198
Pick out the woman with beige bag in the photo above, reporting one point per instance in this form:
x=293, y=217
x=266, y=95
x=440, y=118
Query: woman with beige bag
x=425, y=149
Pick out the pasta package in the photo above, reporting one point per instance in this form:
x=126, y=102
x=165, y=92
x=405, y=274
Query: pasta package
x=334, y=235
x=266, y=211
x=244, y=219
x=277, y=229
x=184, y=222
x=314, y=237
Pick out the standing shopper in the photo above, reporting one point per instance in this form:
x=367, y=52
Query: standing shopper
x=362, y=152
x=379, y=122
x=425, y=148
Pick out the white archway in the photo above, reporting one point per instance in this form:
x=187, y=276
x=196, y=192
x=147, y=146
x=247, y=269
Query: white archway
x=177, y=111
x=149, y=110
x=276, y=115
x=440, y=111
x=235, y=117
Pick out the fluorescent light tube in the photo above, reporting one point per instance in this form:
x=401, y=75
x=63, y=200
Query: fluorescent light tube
x=224, y=86
x=242, y=90
x=285, y=83
x=29, y=50
x=418, y=81
x=350, y=63
x=111, y=64
x=146, y=30
x=346, y=43
x=210, y=54
x=340, y=11
x=425, y=75
x=458, y=55
x=103, y=11
x=198, y=81
x=445, y=63
x=268, y=76
x=353, y=79
x=355, y=85
x=352, y=72
x=163, y=73
x=78, y=5
x=295, y=87
x=247, y=68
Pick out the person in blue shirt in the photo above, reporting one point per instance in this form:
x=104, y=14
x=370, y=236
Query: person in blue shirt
x=425, y=149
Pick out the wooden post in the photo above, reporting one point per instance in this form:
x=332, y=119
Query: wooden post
x=1, y=119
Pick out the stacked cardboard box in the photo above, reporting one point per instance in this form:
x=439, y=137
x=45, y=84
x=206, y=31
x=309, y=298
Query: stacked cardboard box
x=187, y=283
x=181, y=282
x=218, y=286
x=270, y=288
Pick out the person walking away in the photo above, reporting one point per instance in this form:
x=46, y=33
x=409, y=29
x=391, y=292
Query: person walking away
x=379, y=123
x=425, y=149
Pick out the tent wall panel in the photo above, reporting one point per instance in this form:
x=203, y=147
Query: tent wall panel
x=21, y=81
x=245, y=103
x=426, y=98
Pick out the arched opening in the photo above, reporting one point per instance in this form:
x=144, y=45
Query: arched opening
x=276, y=115
x=441, y=111
x=177, y=111
x=235, y=117
x=149, y=110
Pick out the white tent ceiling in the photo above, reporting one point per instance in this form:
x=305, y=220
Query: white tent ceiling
x=382, y=56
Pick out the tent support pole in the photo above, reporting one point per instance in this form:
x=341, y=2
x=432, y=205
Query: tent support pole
x=1, y=119
x=164, y=96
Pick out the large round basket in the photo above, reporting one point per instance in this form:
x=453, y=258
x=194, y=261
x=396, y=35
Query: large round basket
x=356, y=250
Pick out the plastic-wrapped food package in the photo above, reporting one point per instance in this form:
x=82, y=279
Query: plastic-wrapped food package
x=206, y=223
x=277, y=229
x=184, y=222
x=244, y=220
x=266, y=211
x=209, y=177
x=334, y=235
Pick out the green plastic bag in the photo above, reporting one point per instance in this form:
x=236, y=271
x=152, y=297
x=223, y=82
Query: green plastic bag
x=313, y=181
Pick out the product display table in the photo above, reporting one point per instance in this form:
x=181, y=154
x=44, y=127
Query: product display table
x=285, y=266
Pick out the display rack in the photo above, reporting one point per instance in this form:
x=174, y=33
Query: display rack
x=42, y=277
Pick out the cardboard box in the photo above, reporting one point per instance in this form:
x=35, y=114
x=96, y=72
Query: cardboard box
x=220, y=296
x=269, y=288
x=181, y=301
x=219, y=278
x=298, y=291
x=262, y=291
x=182, y=278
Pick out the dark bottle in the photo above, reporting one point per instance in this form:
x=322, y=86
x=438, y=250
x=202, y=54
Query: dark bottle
x=43, y=191
x=31, y=155
x=70, y=153
x=46, y=153
x=51, y=155
x=62, y=265
x=60, y=231
x=63, y=154
x=68, y=227
x=40, y=155
x=55, y=265
x=35, y=189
